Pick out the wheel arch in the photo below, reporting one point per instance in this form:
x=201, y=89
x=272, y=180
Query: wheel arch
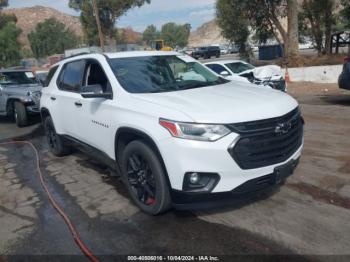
x=10, y=104
x=44, y=112
x=125, y=135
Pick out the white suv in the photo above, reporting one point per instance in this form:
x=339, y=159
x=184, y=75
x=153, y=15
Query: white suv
x=179, y=134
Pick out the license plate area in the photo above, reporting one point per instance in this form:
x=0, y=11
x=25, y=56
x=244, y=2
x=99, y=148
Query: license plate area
x=283, y=172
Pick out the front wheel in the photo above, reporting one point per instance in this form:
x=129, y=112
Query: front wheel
x=145, y=178
x=20, y=114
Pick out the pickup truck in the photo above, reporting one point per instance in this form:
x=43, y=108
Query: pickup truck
x=19, y=95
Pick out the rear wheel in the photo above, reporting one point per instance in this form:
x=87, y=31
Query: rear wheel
x=145, y=178
x=56, y=143
x=20, y=114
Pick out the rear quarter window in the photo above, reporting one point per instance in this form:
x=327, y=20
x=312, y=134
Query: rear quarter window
x=50, y=75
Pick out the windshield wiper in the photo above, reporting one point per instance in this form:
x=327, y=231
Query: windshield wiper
x=193, y=86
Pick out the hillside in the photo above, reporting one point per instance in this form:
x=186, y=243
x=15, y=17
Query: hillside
x=207, y=34
x=29, y=17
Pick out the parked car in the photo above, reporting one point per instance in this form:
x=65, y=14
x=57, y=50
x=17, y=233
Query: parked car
x=344, y=78
x=234, y=49
x=179, y=134
x=224, y=51
x=237, y=70
x=19, y=95
x=206, y=52
x=188, y=51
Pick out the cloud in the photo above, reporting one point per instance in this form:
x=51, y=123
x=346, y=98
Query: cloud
x=203, y=15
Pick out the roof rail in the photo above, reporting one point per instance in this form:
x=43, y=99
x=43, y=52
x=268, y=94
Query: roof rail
x=79, y=54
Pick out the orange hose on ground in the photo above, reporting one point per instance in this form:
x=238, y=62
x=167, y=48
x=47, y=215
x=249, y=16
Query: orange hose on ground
x=66, y=219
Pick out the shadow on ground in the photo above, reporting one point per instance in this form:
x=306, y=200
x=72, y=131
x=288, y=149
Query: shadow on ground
x=342, y=100
x=9, y=129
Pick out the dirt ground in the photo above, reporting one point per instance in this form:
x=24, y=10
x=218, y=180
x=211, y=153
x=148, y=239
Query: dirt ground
x=308, y=216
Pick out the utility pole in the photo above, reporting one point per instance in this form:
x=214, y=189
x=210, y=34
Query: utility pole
x=97, y=16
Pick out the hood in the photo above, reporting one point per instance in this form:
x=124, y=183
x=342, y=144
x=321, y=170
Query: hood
x=233, y=102
x=23, y=89
x=272, y=72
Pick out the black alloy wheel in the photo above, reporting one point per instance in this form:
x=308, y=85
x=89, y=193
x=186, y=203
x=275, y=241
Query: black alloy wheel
x=51, y=137
x=145, y=177
x=141, y=180
x=56, y=143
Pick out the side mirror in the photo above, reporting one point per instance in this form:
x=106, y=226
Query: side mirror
x=94, y=91
x=224, y=73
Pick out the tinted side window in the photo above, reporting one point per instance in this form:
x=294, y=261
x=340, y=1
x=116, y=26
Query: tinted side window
x=96, y=75
x=71, y=78
x=217, y=68
x=50, y=75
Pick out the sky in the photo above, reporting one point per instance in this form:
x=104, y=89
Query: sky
x=159, y=12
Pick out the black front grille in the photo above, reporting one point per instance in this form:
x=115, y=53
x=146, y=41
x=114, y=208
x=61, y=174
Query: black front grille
x=267, y=142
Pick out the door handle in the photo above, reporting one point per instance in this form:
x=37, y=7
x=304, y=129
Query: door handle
x=53, y=98
x=78, y=104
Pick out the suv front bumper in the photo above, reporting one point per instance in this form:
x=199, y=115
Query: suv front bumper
x=183, y=156
x=246, y=191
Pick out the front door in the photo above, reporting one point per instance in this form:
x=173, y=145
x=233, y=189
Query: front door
x=94, y=121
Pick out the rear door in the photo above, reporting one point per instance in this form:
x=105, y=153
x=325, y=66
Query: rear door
x=67, y=97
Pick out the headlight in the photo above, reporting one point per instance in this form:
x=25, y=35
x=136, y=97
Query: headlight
x=192, y=131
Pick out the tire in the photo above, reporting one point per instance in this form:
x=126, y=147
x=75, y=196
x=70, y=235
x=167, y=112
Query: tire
x=56, y=143
x=20, y=114
x=141, y=169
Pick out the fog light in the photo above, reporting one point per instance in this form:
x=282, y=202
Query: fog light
x=200, y=182
x=194, y=178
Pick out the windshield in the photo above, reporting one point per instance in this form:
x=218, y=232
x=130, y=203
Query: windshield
x=155, y=74
x=16, y=78
x=239, y=67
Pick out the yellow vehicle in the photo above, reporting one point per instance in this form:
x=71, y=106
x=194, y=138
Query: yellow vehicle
x=159, y=45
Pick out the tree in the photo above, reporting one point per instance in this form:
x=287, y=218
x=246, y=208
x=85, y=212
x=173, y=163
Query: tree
x=233, y=29
x=10, y=54
x=293, y=28
x=7, y=18
x=318, y=18
x=109, y=11
x=175, y=35
x=150, y=34
x=3, y=3
x=51, y=37
x=257, y=16
x=345, y=13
